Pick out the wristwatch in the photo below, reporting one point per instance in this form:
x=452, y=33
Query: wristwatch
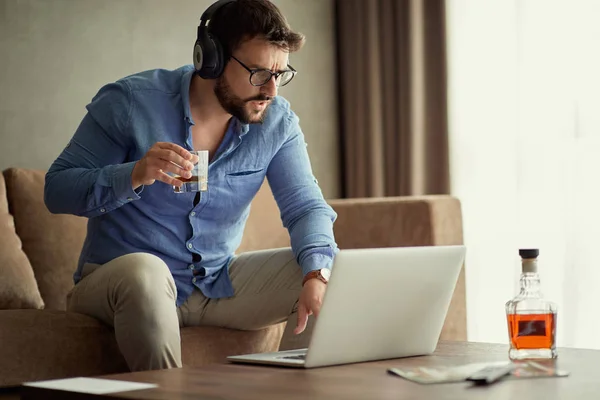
x=320, y=274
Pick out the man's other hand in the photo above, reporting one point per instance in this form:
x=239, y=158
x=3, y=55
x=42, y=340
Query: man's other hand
x=311, y=298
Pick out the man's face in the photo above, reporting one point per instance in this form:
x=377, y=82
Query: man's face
x=233, y=89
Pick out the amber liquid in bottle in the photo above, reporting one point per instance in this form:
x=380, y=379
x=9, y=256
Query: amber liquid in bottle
x=531, y=319
x=532, y=331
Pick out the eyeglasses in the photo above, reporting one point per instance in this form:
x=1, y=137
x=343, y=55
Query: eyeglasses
x=259, y=77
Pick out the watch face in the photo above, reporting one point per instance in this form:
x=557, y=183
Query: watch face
x=326, y=273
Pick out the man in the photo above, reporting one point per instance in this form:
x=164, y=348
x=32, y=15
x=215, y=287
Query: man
x=154, y=261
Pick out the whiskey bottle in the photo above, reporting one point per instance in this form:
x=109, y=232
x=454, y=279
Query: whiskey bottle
x=531, y=319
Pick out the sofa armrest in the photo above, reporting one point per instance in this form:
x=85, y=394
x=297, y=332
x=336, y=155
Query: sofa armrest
x=406, y=221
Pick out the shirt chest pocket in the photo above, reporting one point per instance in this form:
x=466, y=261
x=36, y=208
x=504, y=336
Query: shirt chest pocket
x=243, y=185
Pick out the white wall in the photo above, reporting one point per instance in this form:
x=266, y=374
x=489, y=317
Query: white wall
x=57, y=53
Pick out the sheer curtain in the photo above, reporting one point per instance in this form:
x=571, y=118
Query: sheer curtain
x=524, y=126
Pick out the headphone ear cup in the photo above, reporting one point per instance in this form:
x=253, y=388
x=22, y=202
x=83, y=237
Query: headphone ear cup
x=198, y=56
x=220, y=60
x=209, y=55
x=209, y=59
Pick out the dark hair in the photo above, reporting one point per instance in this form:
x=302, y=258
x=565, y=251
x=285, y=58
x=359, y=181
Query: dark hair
x=244, y=20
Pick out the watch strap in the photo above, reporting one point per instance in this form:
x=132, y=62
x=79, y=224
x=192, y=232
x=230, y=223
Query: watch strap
x=312, y=275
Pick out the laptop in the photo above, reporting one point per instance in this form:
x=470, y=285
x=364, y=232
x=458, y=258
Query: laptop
x=380, y=303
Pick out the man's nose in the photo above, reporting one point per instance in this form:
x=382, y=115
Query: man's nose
x=270, y=88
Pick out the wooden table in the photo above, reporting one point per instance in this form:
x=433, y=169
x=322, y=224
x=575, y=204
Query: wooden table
x=358, y=381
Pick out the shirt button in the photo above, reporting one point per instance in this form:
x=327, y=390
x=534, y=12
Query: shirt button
x=193, y=213
x=191, y=266
x=103, y=210
x=129, y=198
x=189, y=245
x=193, y=280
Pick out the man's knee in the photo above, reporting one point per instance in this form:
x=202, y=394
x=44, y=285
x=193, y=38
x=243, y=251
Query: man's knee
x=144, y=276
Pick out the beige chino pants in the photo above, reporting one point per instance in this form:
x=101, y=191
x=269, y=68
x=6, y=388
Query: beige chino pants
x=136, y=295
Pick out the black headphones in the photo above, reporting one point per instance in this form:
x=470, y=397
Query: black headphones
x=209, y=55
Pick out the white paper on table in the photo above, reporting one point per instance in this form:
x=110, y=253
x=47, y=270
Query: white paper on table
x=90, y=385
x=443, y=373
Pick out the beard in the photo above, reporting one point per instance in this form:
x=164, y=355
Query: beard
x=236, y=106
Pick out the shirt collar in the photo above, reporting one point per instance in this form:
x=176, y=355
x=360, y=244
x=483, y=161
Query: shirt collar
x=241, y=129
x=185, y=95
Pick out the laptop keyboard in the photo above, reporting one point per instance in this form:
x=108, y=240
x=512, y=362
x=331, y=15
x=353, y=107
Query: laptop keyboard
x=298, y=357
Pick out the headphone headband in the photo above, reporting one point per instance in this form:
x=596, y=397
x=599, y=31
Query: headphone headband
x=208, y=13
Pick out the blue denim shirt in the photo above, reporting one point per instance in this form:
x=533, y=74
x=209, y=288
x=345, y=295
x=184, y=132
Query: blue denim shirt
x=92, y=178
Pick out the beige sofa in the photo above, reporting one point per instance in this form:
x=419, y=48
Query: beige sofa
x=39, y=251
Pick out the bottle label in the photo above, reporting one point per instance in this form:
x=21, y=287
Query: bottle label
x=532, y=328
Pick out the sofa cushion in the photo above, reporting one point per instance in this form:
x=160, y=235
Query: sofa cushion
x=208, y=345
x=52, y=242
x=18, y=288
x=48, y=344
